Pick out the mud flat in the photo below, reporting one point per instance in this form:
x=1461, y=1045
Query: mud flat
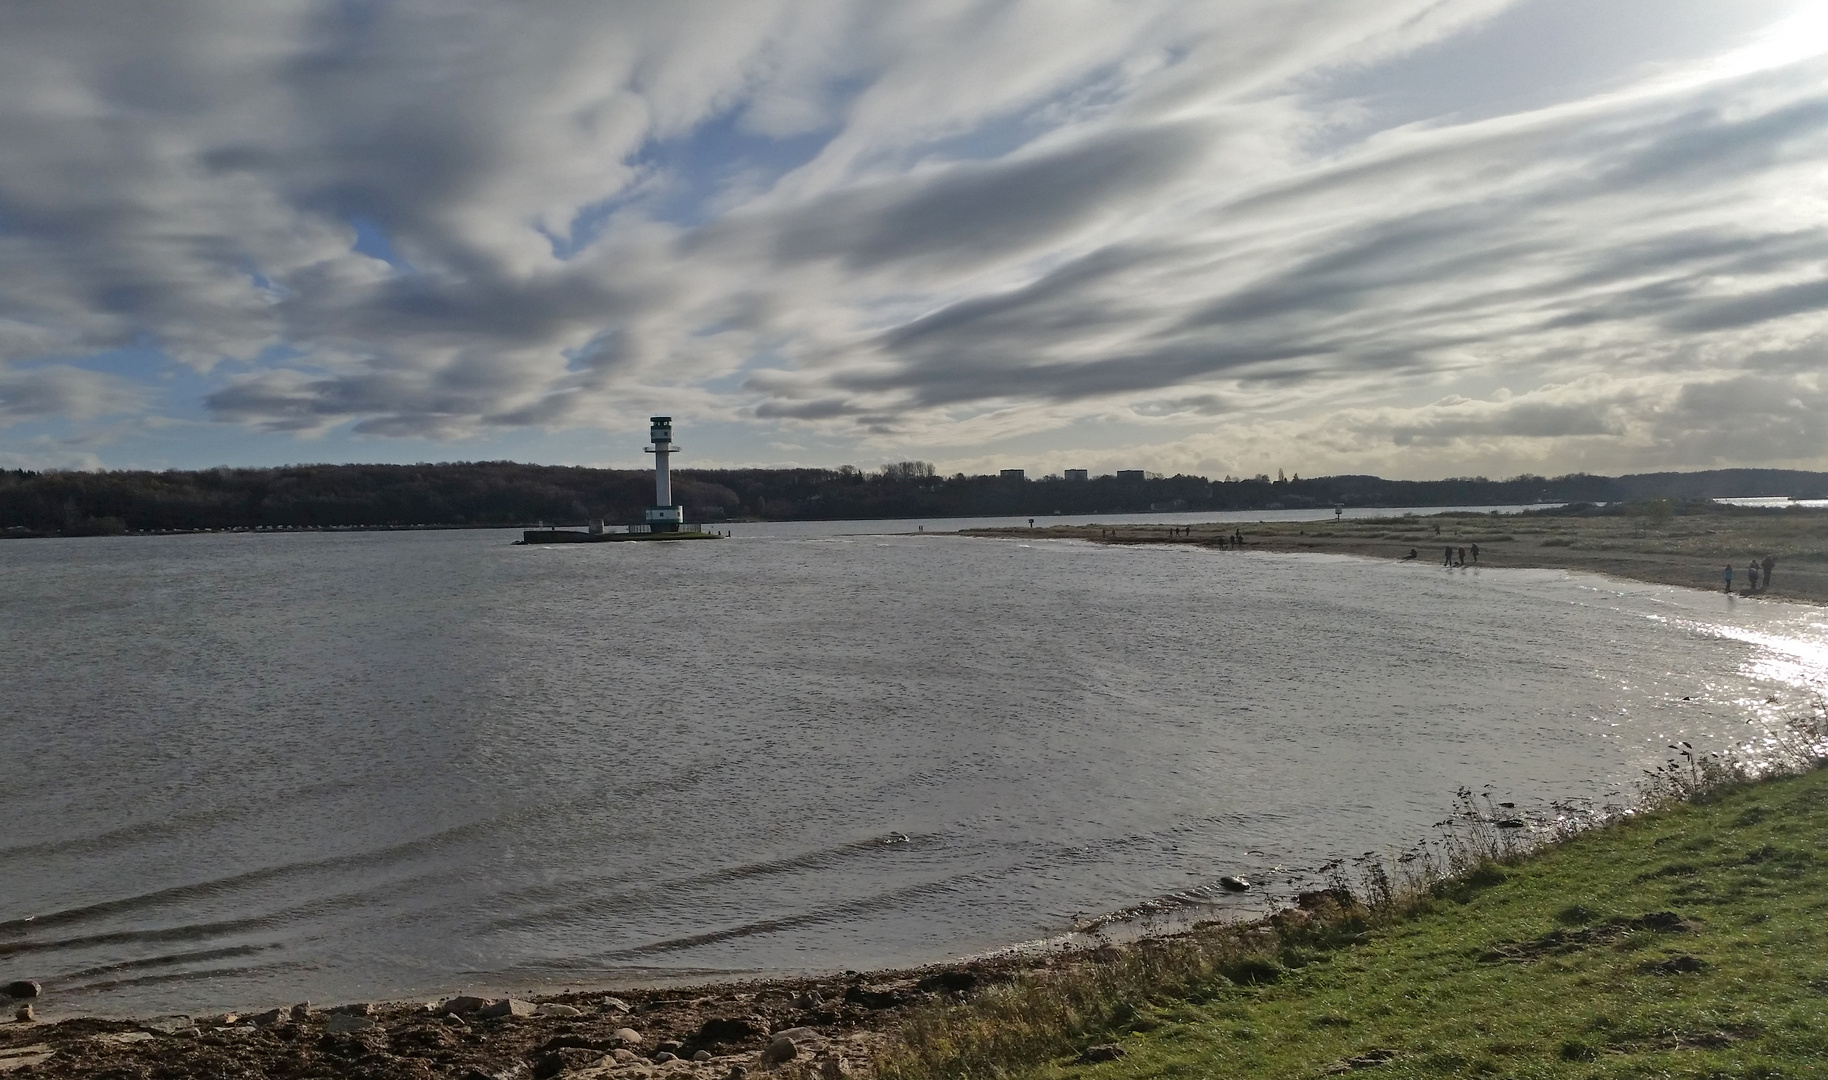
x=1688, y=546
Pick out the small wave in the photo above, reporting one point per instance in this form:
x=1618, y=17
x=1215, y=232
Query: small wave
x=165, y=825
x=186, y=932
x=184, y=976
x=599, y=903
x=167, y=960
x=868, y=905
x=200, y=890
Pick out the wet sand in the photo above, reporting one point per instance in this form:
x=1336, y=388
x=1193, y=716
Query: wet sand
x=1690, y=550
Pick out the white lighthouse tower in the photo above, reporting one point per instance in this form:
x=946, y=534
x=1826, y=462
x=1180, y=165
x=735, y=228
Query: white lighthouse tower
x=665, y=515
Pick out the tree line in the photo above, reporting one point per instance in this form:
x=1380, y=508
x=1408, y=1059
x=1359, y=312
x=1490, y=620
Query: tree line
x=504, y=493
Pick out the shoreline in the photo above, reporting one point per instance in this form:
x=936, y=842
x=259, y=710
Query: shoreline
x=814, y=1027
x=844, y=1018
x=1689, y=551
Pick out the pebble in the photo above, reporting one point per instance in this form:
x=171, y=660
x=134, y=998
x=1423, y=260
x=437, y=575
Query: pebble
x=24, y=988
x=555, y=1009
x=25, y=1015
x=702, y=1055
x=622, y=1054
x=628, y=1036
x=271, y=1017
x=615, y=1004
x=1234, y=884
x=665, y=1056
x=299, y=1011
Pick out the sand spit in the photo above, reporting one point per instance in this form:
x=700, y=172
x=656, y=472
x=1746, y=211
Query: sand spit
x=1688, y=549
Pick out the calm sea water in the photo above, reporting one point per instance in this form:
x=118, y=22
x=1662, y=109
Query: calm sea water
x=242, y=770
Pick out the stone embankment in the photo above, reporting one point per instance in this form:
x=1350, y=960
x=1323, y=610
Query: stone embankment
x=794, y=1030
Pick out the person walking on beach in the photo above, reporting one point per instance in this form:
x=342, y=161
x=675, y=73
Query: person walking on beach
x=1475, y=554
x=1728, y=575
x=1447, y=557
x=1462, y=557
x=1770, y=561
x=1751, y=576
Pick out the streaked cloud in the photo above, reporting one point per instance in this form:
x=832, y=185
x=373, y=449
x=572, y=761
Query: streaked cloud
x=1337, y=237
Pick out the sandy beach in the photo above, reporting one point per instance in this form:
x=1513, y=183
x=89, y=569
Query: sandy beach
x=1690, y=549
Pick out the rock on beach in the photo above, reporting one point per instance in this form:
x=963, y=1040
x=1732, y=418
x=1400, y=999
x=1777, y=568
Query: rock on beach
x=779, y=1050
x=464, y=1005
x=347, y=1023
x=23, y=988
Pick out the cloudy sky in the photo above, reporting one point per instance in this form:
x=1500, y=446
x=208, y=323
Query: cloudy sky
x=1412, y=237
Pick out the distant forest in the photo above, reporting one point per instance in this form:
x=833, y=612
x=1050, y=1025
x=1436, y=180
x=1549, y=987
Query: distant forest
x=502, y=493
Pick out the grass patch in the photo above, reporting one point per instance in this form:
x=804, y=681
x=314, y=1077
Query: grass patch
x=1690, y=939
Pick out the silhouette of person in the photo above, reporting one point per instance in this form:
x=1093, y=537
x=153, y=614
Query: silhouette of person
x=1462, y=557
x=1447, y=558
x=1475, y=554
x=1770, y=561
x=1751, y=576
x=1728, y=575
x=1409, y=556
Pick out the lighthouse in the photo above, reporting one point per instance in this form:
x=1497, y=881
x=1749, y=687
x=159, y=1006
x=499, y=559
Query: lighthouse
x=665, y=515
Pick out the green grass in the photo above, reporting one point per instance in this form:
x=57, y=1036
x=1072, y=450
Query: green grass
x=1547, y=967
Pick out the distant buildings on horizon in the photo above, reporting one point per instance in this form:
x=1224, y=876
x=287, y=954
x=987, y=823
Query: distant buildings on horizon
x=1137, y=476
x=1123, y=475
